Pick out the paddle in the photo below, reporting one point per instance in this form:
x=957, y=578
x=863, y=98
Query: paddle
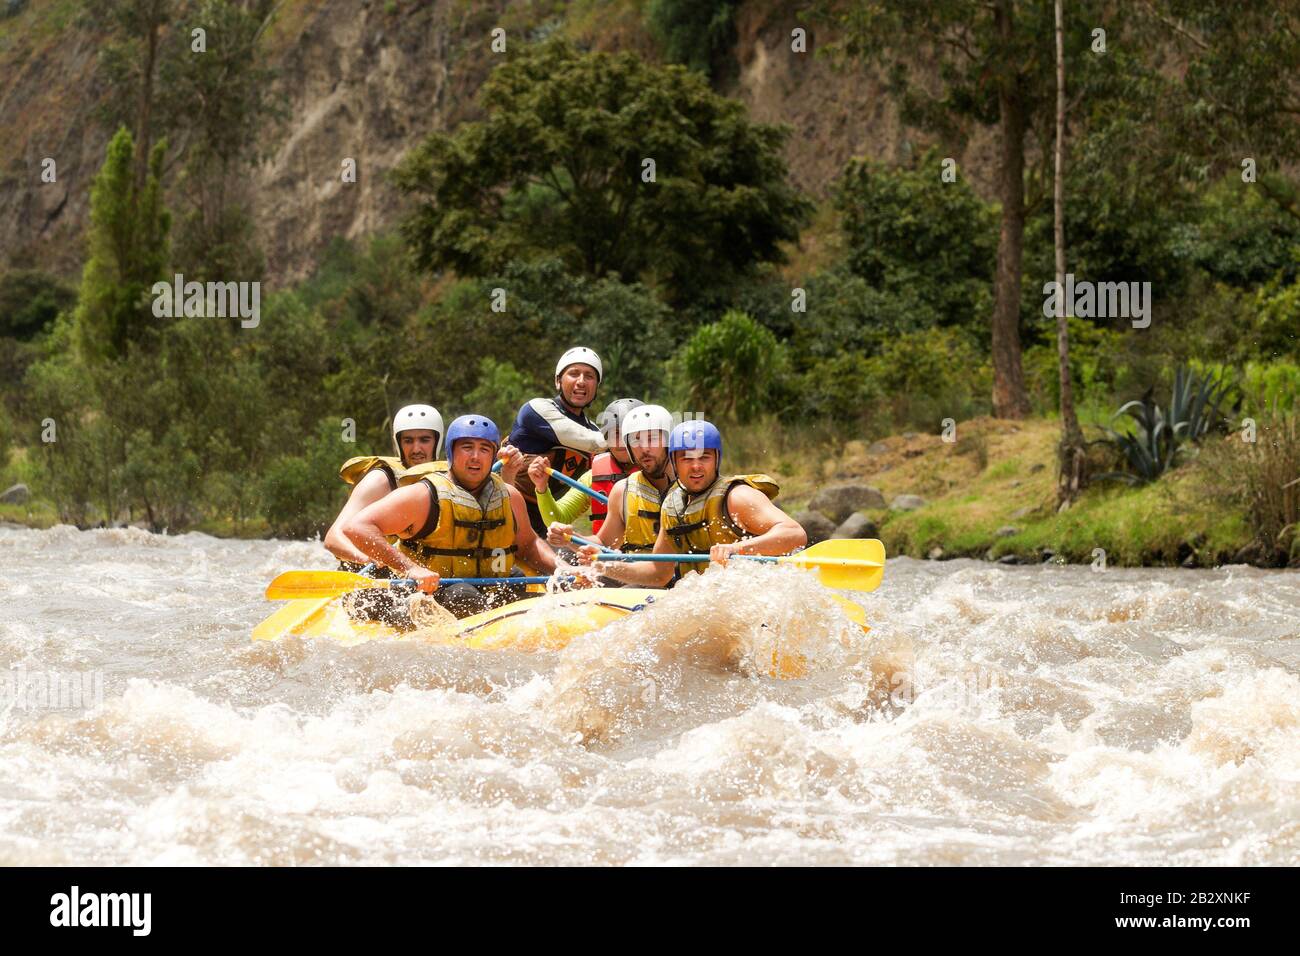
x=573, y=483
x=294, y=585
x=595, y=544
x=849, y=564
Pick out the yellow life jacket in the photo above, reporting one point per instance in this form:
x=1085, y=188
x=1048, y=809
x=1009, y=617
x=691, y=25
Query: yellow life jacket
x=641, y=503
x=423, y=470
x=462, y=539
x=354, y=469
x=701, y=521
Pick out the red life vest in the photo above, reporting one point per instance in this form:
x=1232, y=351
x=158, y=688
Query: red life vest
x=606, y=472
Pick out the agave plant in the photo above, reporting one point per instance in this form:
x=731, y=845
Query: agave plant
x=1164, y=437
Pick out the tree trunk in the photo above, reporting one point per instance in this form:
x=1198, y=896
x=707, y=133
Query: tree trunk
x=1072, y=455
x=1009, y=397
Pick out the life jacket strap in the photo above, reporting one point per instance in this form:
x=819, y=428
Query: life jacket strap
x=424, y=551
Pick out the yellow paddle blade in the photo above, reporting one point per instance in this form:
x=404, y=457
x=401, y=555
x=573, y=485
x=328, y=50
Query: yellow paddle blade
x=288, y=618
x=854, y=611
x=293, y=585
x=846, y=564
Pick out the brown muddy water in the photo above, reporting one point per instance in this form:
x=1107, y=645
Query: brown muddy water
x=994, y=715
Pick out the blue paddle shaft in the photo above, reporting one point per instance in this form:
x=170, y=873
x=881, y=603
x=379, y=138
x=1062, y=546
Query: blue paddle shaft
x=573, y=483
x=410, y=582
x=684, y=558
x=595, y=544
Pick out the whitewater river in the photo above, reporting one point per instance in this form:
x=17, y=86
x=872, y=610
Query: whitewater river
x=994, y=715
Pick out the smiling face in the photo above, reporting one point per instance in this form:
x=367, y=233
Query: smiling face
x=577, y=385
x=417, y=444
x=471, y=462
x=696, y=470
x=650, y=452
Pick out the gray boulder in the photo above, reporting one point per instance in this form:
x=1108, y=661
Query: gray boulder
x=857, y=526
x=1006, y=531
x=907, y=503
x=816, y=525
x=15, y=495
x=837, y=502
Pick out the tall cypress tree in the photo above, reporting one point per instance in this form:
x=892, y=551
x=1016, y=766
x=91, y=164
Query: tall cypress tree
x=128, y=253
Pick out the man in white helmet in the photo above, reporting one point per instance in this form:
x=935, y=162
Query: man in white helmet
x=558, y=429
x=417, y=441
x=632, y=519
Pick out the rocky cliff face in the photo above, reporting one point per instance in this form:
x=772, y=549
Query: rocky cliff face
x=366, y=80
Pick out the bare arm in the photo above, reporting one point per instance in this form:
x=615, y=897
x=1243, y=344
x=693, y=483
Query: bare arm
x=650, y=574
x=612, y=530
x=403, y=512
x=530, y=548
x=365, y=492
x=774, y=532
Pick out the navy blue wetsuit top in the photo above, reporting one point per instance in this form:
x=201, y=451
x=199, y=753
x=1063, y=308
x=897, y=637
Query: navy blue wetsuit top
x=532, y=434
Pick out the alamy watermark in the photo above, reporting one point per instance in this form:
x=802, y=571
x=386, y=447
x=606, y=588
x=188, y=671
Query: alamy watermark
x=26, y=690
x=241, y=300
x=1098, y=300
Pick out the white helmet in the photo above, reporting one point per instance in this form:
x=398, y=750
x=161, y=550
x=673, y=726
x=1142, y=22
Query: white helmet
x=411, y=417
x=580, y=356
x=646, y=418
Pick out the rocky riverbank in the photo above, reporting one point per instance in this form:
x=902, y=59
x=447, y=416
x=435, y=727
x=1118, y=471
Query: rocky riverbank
x=990, y=493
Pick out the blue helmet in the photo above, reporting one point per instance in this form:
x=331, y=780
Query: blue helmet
x=695, y=436
x=472, y=426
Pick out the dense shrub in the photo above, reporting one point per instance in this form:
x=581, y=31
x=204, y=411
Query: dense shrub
x=729, y=368
x=29, y=301
x=301, y=492
x=931, y=375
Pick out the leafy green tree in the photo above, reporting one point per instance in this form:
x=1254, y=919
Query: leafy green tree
x=128, y=240
x=1241, y=237
x=556, y=169
x=995, y=69
x=216, y=105
x=696, y=33
x=631, y=330
x=1239, y=64
x=136, y=31
x=501, y=389
x=909, y=233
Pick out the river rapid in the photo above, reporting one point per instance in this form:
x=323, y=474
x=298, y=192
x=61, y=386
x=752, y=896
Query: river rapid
x=993, y=715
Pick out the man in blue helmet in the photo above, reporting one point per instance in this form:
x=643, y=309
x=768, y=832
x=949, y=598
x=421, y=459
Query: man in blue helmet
x=558, y=430
x=462, y=522
x=706, y=512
